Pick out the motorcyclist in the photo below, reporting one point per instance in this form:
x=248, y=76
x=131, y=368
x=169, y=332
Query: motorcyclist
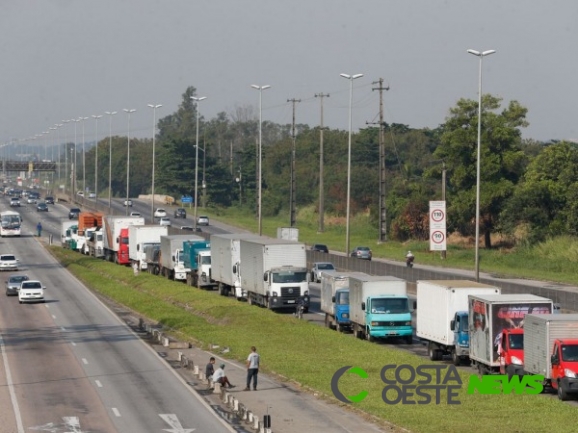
x=409, y=258
x=300, y=306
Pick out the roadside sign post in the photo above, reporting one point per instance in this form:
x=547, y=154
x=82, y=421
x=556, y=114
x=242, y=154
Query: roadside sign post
x=437, y=226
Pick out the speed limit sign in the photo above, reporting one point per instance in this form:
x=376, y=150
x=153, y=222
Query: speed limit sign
x=437, y=225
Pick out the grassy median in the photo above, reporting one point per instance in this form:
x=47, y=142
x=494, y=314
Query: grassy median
x=309, y=354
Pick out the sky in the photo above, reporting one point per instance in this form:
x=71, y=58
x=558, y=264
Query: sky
x=65, y=59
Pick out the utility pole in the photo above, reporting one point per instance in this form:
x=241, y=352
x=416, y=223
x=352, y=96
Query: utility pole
x=382, y=210
x=321, y=227
x=292, y=198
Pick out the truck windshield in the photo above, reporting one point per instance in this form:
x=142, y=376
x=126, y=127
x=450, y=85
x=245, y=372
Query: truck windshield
x=205, y=260
x=570, y=352
x=124, y=241
x=389, y=306
x=342, y=298
x=463, y=324
x=517, y=341
x=289, y=277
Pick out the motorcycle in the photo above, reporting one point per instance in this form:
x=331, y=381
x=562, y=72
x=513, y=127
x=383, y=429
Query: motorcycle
x=409, y=261
x=299, y=308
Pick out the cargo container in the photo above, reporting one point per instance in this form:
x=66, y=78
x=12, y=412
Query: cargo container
x=115, y=242
x=139, y=237
x=172, y=265
x=442, y=316
x=288, y=233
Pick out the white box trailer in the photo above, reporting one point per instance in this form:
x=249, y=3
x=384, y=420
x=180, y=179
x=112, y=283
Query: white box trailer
x=225, y=262
x=288, y=233
x=489, y=315
x=115, y=240
x=540, y=332
x=274, y=272
x=138, y=237
x=335, y=297
x=441, y=303
x=379, y=308
x=171, y=259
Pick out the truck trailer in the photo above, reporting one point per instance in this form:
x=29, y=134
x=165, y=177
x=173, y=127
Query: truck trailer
x=551, y=350
x=490, y=316
x=139, y=237
x=172, y=265
x=335, y=298
x=379, y=308
x=274, y=272
x=442, y=316
x=116, y=246
x=197, y=261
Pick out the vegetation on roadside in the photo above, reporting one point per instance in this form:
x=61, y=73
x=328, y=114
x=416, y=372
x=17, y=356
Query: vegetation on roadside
x=310, y=354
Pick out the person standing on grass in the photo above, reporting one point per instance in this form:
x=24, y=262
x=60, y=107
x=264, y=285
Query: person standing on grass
x=252, y=369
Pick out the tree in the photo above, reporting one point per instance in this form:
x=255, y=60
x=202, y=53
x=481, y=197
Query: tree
x=500, y=163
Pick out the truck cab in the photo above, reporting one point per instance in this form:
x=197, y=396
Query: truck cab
x=141, y=253
x=285, y=285
x=123, y=254
x=564, y=375
x=511, y=352
x=341, y=308
x=459, y=326
x=388, y=316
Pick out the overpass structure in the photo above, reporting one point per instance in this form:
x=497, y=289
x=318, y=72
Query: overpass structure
x=29, y=166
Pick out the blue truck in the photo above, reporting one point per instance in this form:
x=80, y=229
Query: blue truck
x=197, y=261
x=379, y=308
x=335, y=298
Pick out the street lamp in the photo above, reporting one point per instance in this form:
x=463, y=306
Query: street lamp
x=74, y=169
x=350, y=78
x=96, y=117
x=65, y=122
x=154, y=107
x=260, y=213
x=127, y=111
x=110, y=114
x=197, y=100
x=83, y=159
x=481, y=55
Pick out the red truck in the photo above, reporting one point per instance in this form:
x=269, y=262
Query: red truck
x=115, y=230
x=511, y=352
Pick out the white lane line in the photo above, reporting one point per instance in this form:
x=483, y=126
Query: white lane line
x=11, y=388
x=115, y=411
x=98, y=383
x=46, y=305
x=85, y=361
x=73, y=343
x=53, y=316
x=63, y=328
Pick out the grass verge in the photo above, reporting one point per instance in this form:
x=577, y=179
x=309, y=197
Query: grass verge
x=309, y=354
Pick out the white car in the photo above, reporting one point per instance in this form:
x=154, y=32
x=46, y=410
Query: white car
x=319, y=267
x=203, y=220
x=8, y=262
x=160, y=212
x=92, y=195
x=31, y=291
x=136, y=214
x=128, y=203
x=165, y=221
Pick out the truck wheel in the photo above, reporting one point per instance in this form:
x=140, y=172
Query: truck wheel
x=432, y=351
x=562, y=394
x=369, y=337
x=327, y=322
x=409, y=339
x=456, y=360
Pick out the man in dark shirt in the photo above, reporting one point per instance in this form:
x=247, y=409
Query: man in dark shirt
x=210, y=370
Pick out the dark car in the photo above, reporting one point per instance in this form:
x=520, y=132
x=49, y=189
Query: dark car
x=13, y=284
x=191, y=228
x=41, y=207
x=49, y=200
x=73, y=213
x=319, y=247
x=180, y=213
x=363, y=253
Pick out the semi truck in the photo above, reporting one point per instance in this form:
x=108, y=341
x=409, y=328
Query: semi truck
x=379, y=308
x=274, y=272
x=65, y=232
x=551, y=350
x=95, y=243
x=152, y=254
x=139, y=237
x=335, y=298
x=225, y=263
x=115, y=242
x=442, y=316
x=171, y=258
x=494, y=317
x=197, y=261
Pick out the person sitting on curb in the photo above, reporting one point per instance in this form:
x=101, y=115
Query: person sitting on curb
x=210, y=370
x=219, y=377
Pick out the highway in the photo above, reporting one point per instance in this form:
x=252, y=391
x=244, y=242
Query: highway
x=70, y=365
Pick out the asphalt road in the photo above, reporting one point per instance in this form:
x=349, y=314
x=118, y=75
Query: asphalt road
x=71, y=365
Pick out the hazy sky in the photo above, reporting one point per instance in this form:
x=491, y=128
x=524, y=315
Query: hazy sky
x=62, y=59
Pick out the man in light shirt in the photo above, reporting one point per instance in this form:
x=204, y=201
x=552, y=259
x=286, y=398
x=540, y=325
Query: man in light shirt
x=252, y=369
x=219, y=377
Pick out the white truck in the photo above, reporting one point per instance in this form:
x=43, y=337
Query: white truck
x=66, y=233
x=95, y=243
x=335, y=298
x=288, y=233
x=379, y=308
x=551, y=350
x=139, y=237
x=225, y=263
x=171, y=259
x=274, y=272
x=442, y=316
x=115, y=240
x=490, y=317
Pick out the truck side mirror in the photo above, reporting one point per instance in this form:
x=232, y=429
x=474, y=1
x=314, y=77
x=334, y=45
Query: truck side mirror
x=173, y=258
x=333, y=299
x=363, y=306
x=117, y=240
x=138, y=247
x=453, y=325
x=234, y=269
x=265, y=277
x=415, y=305
x=554, y=360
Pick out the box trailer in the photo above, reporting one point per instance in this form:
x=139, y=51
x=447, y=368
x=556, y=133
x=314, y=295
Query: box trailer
x=139, y=237
x=172, y=264
x=115, y=242
x=335, y=298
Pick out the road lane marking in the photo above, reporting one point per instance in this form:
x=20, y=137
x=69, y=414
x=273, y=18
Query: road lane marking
x=98, y=383
x=11, y=388
x=73, y=343
x=72, y=423
x=115, y=411
x=53, y=316
x=63, y=328
x=176, y=427
x=84, y=361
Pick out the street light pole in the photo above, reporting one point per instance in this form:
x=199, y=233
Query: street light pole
x=74, y=167
x=260, y=195
x=65, y=122
x=154, y=107
x=96, y=117
x=481, y=55
x=128, y=111
x=350, y=78
x=110, y=114
x=197, y=100
x=83, y=160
